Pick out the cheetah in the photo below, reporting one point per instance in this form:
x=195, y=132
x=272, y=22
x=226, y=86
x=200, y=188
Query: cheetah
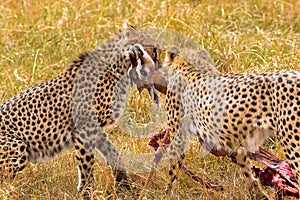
x=230, y=113
x=73, y=109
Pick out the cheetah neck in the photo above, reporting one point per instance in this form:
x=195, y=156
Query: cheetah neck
x=187, y=69
x=192, y=68
x=97, y=66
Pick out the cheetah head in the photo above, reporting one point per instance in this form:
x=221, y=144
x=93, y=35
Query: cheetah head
x=172, y=53
x=189, y=58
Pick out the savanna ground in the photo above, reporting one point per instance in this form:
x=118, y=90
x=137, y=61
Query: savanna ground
x=38, y=39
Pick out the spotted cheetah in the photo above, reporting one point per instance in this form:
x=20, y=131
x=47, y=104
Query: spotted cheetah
x=231, y=113
x=72, y=110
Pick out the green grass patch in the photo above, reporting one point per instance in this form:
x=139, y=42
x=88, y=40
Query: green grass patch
x=38, y=39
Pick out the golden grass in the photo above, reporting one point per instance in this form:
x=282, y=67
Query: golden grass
x=39, y=38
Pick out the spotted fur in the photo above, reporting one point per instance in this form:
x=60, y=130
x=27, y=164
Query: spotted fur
x=232, y=113
x=72, y=110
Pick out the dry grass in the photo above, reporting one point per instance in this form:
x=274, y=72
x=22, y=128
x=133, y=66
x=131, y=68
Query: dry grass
x=39, y=38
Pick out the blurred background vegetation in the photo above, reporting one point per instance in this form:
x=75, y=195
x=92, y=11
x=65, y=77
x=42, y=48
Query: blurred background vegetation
x=38, y=39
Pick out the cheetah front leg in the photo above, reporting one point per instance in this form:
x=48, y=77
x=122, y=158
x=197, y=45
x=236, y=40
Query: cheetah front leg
x=175, y=152
x=112, y=156
x=13, y=156
x=174, y=169
x=254, y=187
x=85, y=161
x=85, y=156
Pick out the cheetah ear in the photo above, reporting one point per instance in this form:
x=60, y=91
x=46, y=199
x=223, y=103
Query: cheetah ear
x=204, y=55
x=127, y=26
x=171, y=54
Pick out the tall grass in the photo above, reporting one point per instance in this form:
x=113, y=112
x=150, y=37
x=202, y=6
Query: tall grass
x=39, y=38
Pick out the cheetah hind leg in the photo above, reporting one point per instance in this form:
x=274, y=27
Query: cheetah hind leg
x=13, y=156
x=255, y=189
